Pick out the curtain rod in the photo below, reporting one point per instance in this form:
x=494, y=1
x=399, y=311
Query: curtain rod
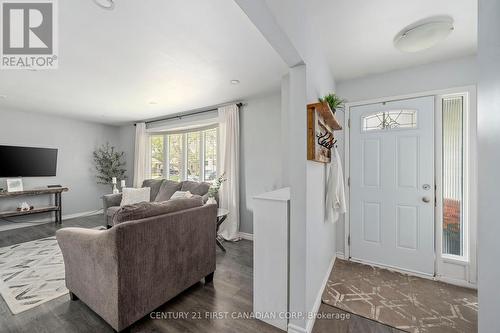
x=180, y=116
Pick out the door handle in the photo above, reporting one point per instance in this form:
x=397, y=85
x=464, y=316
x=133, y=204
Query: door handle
x=426, y=199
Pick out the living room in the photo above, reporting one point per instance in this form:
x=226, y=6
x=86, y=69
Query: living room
x=193, y=166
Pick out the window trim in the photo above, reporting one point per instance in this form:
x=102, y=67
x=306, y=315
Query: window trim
x=184, y=132
x=466, y=180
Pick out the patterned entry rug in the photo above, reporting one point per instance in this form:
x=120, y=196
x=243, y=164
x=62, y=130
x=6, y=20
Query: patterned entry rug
x=405, y=302
x=31, y=273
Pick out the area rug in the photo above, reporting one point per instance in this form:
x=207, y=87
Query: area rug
x=31, y=274
x=404, y=302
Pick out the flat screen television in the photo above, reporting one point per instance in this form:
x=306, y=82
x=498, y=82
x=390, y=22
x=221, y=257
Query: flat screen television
x=27, y=162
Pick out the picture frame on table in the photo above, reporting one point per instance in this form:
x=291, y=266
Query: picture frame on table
x=14, y=185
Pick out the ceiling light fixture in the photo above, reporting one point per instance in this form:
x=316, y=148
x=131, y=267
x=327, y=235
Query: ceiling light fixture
x=105, y=4
x=423, y=34
x=235, y=81
x=153, y=103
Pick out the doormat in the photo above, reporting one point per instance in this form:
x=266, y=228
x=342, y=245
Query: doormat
x=401, y=301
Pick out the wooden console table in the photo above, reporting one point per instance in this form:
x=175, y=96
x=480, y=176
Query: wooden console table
x=56, y=208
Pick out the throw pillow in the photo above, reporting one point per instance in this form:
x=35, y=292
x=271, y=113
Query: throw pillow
x=135, y=195
x=167, y=189
x=181, y=195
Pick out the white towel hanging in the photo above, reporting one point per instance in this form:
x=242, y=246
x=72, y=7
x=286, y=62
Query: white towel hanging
x=335, y=197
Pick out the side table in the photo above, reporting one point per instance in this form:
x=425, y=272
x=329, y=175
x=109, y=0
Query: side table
x=221, y=217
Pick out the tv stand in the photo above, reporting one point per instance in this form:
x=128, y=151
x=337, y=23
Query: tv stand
x=56, y=208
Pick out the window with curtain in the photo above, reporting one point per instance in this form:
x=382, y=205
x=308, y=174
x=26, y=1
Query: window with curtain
x=191, y=155
x=453, y=174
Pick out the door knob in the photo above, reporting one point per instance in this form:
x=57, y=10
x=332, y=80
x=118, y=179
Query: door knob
x=426, y=199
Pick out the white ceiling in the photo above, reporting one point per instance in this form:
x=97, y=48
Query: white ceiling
x=180, y=54
x=358, y=34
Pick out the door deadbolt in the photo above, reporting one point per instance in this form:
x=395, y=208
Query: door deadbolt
x=426, y=187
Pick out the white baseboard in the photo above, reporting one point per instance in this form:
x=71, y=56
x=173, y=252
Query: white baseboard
x=295, y=329
x=317, y=302
x=247, y=236
x=340, y=255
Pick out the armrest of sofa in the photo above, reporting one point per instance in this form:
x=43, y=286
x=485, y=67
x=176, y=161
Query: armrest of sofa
x=111, y=200
x=90, y=259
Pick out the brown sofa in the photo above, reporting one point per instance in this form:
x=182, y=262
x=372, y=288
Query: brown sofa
x=126, y=272
x=161, y=190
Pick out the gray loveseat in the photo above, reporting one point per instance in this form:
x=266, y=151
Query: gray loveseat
x=161, y=190
x=153, y=252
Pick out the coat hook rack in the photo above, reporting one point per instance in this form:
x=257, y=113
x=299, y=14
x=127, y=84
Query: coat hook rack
x=326, y=140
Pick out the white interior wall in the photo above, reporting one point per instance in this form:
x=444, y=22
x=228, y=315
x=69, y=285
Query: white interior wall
x=312, y=241
x=75, y=140
x=435, y=76
x=489, y=160
x=126, y=143
x=260, y=146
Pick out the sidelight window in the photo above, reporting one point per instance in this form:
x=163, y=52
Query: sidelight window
x=453, y=174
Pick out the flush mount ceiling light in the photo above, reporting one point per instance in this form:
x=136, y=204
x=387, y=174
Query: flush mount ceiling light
x=423, y=34
x=105, y=4
x=153, y=102
x=235, y=81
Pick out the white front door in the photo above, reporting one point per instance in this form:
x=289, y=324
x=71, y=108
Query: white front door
x=392, y=184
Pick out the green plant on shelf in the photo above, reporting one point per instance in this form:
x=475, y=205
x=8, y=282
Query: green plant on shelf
x=335, y=102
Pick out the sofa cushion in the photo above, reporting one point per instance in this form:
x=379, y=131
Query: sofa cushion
x=195, y=187
x=143, y=210
x=167, y=189
x=154, y=184
x=181, y=195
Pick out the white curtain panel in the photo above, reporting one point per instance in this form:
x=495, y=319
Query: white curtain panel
x=229, y=144
x=140, y=157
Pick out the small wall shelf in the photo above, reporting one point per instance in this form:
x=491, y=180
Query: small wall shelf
x=321, y=123
x=327, y=114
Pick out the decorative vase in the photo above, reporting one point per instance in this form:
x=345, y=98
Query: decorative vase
x=115, y=190
x=211, y=201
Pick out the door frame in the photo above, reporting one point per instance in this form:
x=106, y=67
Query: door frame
x=448, y=268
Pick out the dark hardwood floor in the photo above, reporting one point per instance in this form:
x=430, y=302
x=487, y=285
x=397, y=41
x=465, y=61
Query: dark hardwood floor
x=229, y=295
x=21, y=235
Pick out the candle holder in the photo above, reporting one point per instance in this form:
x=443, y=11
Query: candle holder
x=115, y=189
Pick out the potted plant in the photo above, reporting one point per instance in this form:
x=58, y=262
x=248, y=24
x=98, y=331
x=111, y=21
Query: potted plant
x=335, y=102
x=109, y=164
x=214, y=189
